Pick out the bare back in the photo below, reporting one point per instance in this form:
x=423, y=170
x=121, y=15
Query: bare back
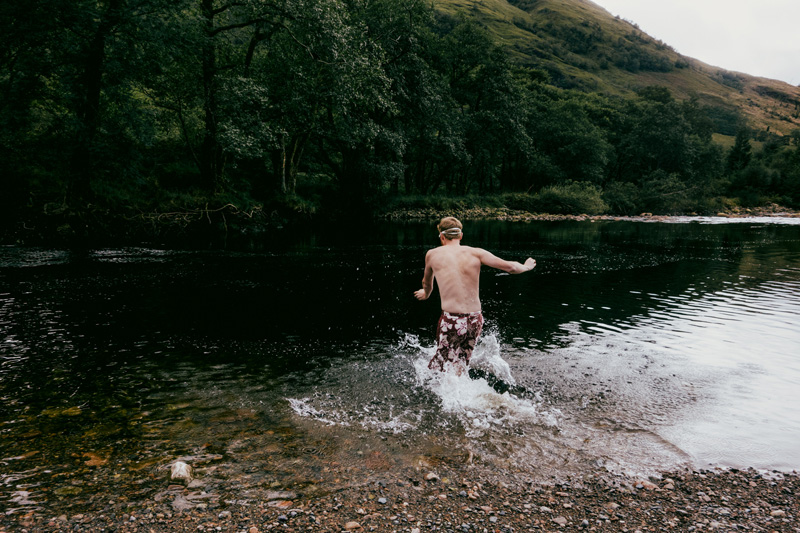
x=457, y=270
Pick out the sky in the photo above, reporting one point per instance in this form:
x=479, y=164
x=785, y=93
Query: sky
x=758, y=37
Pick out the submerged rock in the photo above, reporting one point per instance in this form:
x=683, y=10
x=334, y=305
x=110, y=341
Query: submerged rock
x=180, y=471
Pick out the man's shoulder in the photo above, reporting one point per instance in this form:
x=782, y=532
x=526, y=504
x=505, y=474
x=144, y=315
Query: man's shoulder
x=473, y=250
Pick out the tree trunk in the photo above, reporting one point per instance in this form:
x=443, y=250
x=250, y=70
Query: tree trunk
x=88, y=112
x=211, y=156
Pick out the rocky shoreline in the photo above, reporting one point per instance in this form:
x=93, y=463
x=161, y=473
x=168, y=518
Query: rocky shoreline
x=456, y=498
x=513, y=215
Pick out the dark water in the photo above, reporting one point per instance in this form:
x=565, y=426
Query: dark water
x=637, y=347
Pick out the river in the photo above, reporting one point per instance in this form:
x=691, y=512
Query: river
x=633, y=347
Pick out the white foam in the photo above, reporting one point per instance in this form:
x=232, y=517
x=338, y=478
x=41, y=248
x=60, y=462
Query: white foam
x=303, y=407
x=413, y=398
x=478, y=406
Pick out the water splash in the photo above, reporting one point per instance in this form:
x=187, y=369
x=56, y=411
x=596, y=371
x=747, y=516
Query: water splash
x=411, y=399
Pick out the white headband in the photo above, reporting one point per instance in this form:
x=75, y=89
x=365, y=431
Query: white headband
x=451, y=232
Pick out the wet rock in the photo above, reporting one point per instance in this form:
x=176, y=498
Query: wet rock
x=180, y=471
x=70, y=490
x=647, y=485
x=280, y=504
x=279, y=495
x=180, y=503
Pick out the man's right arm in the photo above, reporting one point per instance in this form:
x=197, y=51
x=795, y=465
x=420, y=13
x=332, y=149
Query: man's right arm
x=427, y=280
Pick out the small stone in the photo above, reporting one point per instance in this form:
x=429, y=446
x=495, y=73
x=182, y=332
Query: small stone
x=280, y=504
x=544, y=509
x=777, y=513
x=560, y=520
x=415, y=530
x=585, y=523
x=253, y=529
x=350, y=526
x=180, y=471
x=382, y=501
x=644, y=484
x=430, y=476
x=224, y=515
x=493, y=519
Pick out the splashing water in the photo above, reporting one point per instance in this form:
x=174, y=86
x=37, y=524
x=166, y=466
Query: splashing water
x=412, y=399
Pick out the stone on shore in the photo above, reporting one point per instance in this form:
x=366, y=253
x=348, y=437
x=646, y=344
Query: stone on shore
x=180, y=471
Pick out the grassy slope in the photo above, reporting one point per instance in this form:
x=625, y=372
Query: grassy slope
x=534, y=34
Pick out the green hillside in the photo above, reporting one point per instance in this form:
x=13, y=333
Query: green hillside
x=582, y=46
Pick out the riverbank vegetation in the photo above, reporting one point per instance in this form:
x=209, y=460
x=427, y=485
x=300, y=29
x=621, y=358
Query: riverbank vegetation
x=136, y=112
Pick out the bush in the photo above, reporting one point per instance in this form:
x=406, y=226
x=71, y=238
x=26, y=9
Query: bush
x=571, y=198
x=520, y=201
x=623, y=198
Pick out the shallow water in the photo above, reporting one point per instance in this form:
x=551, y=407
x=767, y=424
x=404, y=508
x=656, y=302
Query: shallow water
x=633, y=346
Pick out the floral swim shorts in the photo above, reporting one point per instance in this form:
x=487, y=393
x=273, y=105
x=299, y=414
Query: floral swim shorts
x=456, y=336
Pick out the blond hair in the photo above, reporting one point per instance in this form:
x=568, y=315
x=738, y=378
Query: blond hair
x=450, y=228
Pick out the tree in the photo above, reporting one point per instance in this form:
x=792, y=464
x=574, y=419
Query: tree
x=740, y=154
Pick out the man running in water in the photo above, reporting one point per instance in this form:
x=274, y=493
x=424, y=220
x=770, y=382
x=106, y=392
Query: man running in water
x=457, y=271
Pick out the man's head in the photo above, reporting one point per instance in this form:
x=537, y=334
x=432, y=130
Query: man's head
x=450, y=228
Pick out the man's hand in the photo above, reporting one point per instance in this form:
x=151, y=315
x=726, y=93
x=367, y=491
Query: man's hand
x=421, y=294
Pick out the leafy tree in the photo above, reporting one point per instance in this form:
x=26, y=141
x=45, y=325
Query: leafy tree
x=740, y=154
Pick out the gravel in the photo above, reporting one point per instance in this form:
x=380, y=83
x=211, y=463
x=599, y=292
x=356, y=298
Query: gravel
x=459, y=499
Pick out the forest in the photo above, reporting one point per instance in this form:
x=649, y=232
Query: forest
x=134, y=110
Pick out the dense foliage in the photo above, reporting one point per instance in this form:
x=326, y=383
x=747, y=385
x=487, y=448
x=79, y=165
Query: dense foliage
x=301, y=105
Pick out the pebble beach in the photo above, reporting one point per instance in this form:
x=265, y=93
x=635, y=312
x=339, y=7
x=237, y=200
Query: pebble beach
x=456, y=498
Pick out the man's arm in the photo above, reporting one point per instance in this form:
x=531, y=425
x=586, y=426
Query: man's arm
x=427, y=280
x=512, y=267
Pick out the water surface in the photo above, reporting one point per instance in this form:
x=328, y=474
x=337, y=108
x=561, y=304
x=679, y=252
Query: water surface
x=635, y=347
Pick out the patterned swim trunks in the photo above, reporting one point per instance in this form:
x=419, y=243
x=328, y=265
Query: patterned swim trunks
x=456, y=336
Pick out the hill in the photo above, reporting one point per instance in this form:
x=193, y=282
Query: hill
x=582, y=46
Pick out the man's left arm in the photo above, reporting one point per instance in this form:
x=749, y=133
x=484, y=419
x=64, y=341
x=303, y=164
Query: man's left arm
x=512, y=267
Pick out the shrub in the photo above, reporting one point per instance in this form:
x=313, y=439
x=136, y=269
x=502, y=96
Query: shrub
x=521, y=201
x=623, y=198
x=571, y=198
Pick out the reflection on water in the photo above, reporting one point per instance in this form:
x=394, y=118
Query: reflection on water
x=633, y=346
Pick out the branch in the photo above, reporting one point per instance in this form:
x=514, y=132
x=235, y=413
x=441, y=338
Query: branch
x=227, y=7
x=221, y=29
